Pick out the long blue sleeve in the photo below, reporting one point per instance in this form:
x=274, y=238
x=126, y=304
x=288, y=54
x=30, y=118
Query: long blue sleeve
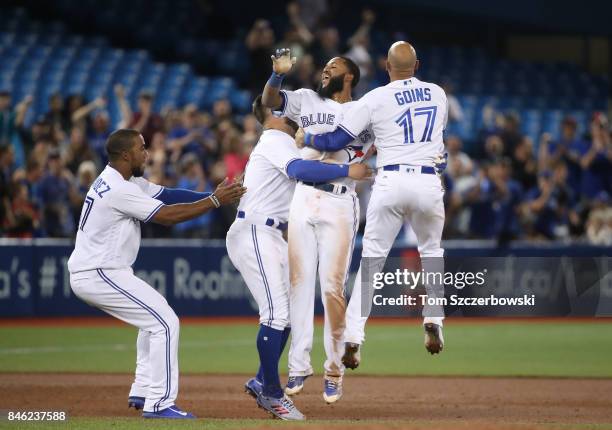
x=316, y=171
x=171, y=196
x=333, y=141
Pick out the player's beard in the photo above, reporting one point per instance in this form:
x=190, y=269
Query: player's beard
x=138, y=171
x=334, y=85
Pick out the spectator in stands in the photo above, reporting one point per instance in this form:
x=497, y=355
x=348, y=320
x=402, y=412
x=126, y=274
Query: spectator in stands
x=82, y=116
x=97, y=135
x=493, y=148
x=455, y=112
x=25, y=216
x=304, y=75
x=524, y=166
x=297, y=37
x=567, y=149
x=31, y=176
x=77, y=150
x=11, y=120
x=459, y=163
x=57, y=194
x=236, y=154
x=260, y=43
x=495, y=203
x=599, y=223
x=511, y=133
x=144, y=119
x=311, y=12
x=186, y=137
x=86, y=174
x=193, y=178
x=40, y=130
x=57, y=115
x=595, y=158
x=359, y=52
x=547, y=206
x=7, y=161
x=326, y=46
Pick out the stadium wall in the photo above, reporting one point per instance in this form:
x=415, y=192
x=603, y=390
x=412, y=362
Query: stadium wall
x=195, y=276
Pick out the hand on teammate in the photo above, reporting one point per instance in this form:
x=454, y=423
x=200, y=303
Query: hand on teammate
x=282, y=61
x=360, y=171
x=440, y=163
x=229, y=193
x=299, y=138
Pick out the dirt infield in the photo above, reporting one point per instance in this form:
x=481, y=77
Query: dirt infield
x=474, y=402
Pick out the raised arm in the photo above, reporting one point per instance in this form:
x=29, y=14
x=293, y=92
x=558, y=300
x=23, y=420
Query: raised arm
x=281, y=65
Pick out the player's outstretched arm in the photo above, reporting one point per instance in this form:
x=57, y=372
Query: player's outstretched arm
x=223, y=195
x=172, y=196
x=282, y=62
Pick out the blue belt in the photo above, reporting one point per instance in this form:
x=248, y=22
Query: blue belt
x=428, y=170
x=269, y=221
x=326, y=187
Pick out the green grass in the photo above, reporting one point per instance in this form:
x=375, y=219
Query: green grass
x=553, y=349
x=227, y=424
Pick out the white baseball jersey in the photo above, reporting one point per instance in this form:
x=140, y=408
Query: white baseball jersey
x=108, y=236
x=408, y=118
x=269, y=189
x=317, y=115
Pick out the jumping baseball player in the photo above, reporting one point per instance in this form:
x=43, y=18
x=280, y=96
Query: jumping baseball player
x=256, y=246
x=107, y=244
x=323, y=221
x=408, y=117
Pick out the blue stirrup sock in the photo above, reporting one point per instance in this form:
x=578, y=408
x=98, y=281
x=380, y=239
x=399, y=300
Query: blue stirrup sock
x=284, y=338
x=269, y=342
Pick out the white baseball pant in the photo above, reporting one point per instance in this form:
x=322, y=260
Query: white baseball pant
x=121, y=294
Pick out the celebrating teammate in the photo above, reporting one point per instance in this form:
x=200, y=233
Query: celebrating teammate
x=323, y=220
x=408, y=117
x=107, y=244
x=258, y=250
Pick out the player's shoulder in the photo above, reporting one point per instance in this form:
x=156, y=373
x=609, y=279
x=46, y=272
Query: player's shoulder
x=435, y=87
x=302, y=92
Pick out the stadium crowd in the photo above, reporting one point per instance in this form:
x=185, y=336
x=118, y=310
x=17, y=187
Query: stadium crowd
x=505, y=187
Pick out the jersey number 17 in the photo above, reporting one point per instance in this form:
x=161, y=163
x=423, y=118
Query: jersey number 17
x=405, y=120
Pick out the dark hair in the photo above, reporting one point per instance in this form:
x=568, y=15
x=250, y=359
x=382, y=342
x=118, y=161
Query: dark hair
x=259, y=110
x=353, y=69
x=120, y=141
x=145, y=95
x=5, y=93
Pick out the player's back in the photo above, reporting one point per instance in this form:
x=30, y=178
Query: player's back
x=408, y=118
x=269, y=189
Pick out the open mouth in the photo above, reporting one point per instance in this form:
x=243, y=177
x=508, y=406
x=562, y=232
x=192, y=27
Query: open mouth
x=325, y=78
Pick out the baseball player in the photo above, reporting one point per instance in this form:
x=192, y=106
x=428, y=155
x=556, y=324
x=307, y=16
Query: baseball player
x=408, y=117
x=323, y=221
x=107, y=243
x=256, y=246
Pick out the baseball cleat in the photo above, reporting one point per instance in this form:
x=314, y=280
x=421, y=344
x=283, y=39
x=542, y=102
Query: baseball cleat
x=282, y=408
x=136, y=402
x=295, y=385
x=332, y=391
x=352, y=355
x=253, y=387
x=434, y=341
x=171, y=412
